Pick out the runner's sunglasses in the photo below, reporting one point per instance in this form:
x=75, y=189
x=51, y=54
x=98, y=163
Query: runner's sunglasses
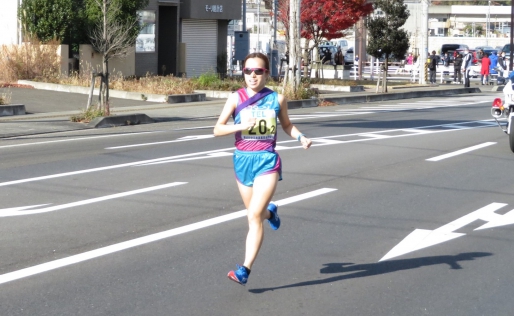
x=258, y=71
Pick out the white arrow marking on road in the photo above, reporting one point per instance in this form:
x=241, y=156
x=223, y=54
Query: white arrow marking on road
x=17, y=211
x=59, y=263
x=422, y=238
x=503, y=220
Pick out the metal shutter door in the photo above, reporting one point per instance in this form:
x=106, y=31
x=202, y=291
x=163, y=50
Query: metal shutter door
x=201, y=38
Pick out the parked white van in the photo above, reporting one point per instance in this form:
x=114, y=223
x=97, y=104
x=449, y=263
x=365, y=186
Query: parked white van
x=341, y=43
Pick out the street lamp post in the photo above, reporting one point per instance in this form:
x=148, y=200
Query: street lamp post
x=258, y=25
x=487, y=24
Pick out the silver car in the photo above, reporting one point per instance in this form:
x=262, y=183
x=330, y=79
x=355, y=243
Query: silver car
x=349, y=56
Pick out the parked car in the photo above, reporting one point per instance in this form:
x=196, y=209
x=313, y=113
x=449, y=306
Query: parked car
x=341, y=43
x=489, y=52
x=484, y=48
x=323, y=51
x=473, y=52
x=506, y=49
x=349, y=56
x=450, y=48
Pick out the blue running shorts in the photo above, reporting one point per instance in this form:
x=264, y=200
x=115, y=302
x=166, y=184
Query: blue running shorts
x=250, y=164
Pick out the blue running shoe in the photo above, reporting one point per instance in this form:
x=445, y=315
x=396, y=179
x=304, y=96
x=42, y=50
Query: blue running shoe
x=274, y=220
x=240, y=275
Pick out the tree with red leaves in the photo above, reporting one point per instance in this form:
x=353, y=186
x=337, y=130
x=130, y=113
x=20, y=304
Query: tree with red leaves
x=324, y=20
x=328, y=19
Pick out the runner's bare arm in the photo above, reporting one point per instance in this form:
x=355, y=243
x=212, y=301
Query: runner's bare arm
x=287, y=126
x=221, y=128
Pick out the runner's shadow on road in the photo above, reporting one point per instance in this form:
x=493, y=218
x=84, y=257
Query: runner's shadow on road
x=370, y=269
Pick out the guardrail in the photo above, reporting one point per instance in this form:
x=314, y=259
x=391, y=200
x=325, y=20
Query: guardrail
x=406, y=72
x=395, y=71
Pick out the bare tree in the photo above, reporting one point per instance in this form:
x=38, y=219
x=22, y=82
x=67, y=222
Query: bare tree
x=292, y=75
x=113, y=39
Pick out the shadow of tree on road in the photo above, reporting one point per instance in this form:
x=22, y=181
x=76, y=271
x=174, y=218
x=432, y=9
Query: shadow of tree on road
x=383, y=267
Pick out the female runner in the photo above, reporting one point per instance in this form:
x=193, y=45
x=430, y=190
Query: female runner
x=258, y=168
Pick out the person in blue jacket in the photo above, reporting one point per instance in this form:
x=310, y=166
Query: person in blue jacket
x=494, y=63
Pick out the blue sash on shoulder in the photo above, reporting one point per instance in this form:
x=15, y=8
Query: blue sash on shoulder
x=258, y=96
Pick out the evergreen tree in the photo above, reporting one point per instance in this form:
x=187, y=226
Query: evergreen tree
x=49, y=20
x=386, y=38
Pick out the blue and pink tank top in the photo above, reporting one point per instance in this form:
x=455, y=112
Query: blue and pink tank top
x=263, y=136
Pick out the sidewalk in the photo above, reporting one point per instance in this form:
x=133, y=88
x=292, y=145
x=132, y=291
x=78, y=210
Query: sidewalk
x=50, y=111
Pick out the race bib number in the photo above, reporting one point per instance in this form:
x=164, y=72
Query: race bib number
x=265, y=124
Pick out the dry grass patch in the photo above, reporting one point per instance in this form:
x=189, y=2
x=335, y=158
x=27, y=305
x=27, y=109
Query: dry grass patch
x=29, y=60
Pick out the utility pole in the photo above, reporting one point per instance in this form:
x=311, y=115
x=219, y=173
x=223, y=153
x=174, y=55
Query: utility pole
x=511, y=31
x=424, y=42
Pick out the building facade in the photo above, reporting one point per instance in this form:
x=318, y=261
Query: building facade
x=10, y=33
x=184, y=38
x=459, y=24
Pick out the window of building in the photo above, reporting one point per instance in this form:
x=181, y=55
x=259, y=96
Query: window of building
x=145, y=41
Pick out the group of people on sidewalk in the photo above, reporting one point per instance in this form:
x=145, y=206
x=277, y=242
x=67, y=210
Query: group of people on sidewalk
x=463, y=63
x=492, y=65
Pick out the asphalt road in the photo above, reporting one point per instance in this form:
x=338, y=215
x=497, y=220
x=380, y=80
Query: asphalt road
x=146, y=220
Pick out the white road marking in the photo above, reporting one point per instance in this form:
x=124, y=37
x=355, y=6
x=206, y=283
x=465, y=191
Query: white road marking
x=192, y=128
x=182, y=139
x=71, y=139
x=52, y=265
x=22, y=210
x=460, y=152
x=196, y=137
x=130, y=164
x=322, y=142
x=371, y=135
x=422, y=238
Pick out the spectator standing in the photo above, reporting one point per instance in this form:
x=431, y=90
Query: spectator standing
x=484, y=71
x=432, y=66
x=502, y=65
x=446, y=60
x=494, y=63
x=480, y=54
x=409, y=62
x=327, y=58
x=339, y=58
x=457, y=64
x=467, y=62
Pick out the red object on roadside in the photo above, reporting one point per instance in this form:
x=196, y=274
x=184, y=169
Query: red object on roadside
x=497, y=103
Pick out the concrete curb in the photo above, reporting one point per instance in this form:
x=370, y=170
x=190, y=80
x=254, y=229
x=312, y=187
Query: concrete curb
x=148, y=97
x=217, y=94
x=120, y=120
x=12, y=109
x=297, y=104
x=184, y=98
x=337, y=88
x=400, y=95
